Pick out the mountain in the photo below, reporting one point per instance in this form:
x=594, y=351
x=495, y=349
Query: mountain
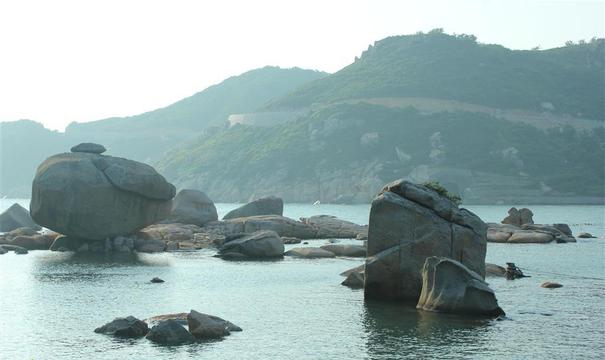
x=146, y=137
x=492, y=124
x=565, y=81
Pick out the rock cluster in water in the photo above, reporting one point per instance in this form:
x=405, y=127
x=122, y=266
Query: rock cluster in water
x=170, y=329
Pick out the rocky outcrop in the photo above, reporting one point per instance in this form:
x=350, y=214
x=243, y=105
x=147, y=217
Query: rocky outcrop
x=192, y=207
x=283, y=226
x=258, y=245
x=34, y=242
x=449, y=286
x=408, y=223
x=528, y=233
x=170, y=332
x=345, y=250
x=128, y=327
x=309, y=253
x=519, y=217
x=92, y=196
x=270, y=205
x=16, y=217
x=91, y=148
x=204, y=326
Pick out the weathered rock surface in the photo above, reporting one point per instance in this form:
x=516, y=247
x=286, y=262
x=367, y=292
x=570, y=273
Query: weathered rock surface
x=258, y=245
x=309, y=253
x=17, y=249
x=519, y=217
x=192, y=207
x=16, y=217
x=359, y=268
x=169, y=332
x=128, y=327
x=93, y=196
x=270, y=205
x=529, y=236
x=34, y=242
x=409, y=223
x=564, y=228
x=328, y=226
x=89, y=148
x=345, y=250
x=206, y=326
x=283, y=226
x=355, y=279
x=449, y=286
x=494, y=270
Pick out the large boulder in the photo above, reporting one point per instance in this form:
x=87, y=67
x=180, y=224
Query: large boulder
x=519, y=217
x=260, y=244
x=128, y=327
x=192, y=207
x=264, y=206
x=328, y=226
x=16, y=217
x=170, y=332
x=408, y=223
x=92, y=196
x=449, y=286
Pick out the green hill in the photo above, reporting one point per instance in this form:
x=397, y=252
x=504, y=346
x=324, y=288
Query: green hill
x=493, y=124
x=442, y=66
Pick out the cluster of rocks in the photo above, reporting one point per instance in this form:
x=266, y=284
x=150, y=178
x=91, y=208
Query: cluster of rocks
x=519, y=228
x=170, y=329
x=22, y=239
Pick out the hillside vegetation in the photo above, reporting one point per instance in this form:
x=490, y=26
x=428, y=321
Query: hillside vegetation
x=567, y=80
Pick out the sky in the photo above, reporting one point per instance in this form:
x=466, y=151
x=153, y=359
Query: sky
x=74, y=60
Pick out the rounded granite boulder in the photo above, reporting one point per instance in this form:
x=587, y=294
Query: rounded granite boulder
x=92, y=196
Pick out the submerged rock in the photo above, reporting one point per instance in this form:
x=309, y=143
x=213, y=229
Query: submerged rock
x=128, y=327
x=156, y=280
x=494, y=270
x=270, y=205
x=260, y=244
x=449, y=286
x=192, y=207
x=16, y=217
x=170, y=332
x=95, y=197
x=355, y=279
x=585, y=235
x=408, y=223
x=551, y=285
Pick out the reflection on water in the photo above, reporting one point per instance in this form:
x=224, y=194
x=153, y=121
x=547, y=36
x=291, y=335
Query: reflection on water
x=392, y=328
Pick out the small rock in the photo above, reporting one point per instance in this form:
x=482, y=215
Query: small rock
x=290, y=240
x=346, y=250
x=17, y=249
x=169, y=332
x=551, y=285
x=91, y=148
x=3, y=250
x=494, y=270
x=309, y=253
x=128, y=327
x=585, y=235
x=157, y=280
x=354, y=280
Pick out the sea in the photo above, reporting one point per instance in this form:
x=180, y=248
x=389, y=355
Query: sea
x=50, y=302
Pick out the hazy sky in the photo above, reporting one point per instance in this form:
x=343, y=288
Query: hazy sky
x=64, y=61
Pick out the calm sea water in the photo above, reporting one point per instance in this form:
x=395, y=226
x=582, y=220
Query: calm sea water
x=51, y=302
